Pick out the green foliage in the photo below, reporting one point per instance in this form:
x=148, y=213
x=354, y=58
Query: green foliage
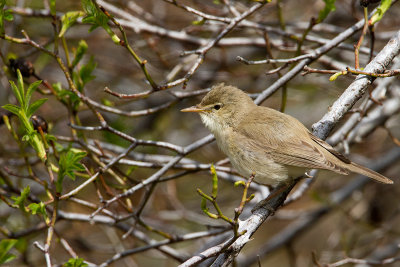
x=329, y=7
x=5, y=246
x=34, y=208
x=19, y=201
x=97, y=18
x=69, y=163
x=80, y=51
x=53, y=7
x=69, y=19
x=84, y=75
x=212, y=199
x=381, y=10
x=4, y=15
x=76, y=262
x=39, y=208
x=25, y=111
x=66, y=96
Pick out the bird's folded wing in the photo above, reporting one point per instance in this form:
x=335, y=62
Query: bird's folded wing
x=290, y=150
x=330, y=149
x=304, y=154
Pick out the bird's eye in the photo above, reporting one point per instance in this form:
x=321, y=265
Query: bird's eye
x=217, y=106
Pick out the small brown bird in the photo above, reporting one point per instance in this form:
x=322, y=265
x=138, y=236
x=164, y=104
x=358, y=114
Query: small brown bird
x=274, y=146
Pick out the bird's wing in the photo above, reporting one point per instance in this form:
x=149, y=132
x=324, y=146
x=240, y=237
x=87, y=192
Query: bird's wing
x=285, y=147
x=329, y=148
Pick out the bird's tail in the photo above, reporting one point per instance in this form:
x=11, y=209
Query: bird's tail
x=354, y=167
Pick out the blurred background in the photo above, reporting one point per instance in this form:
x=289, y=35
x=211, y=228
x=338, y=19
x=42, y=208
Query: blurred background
x=153, y=225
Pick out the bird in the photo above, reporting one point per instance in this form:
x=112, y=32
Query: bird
x=273, y=146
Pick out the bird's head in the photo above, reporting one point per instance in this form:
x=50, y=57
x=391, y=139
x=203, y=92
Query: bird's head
x=222, y=107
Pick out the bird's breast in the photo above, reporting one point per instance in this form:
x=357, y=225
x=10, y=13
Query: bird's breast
x=247, y=161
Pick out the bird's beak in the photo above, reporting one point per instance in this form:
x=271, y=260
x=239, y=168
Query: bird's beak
x=192, y=109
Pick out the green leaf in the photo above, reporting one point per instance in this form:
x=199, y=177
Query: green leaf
x=19, y=201
x=329, y=7
x=381, y=10
x=69, y=19
x=21, y=89
x=50, y=137
x=77, y=262
x=80, y=51
x=53, y=7
x=32, y=88
x=93, y=14
x=12, y=108
x=5, y=246
x=25, y=111
x=8, y=15
x=16, y=92
x=85, y=72
x=69, y=163
x=34, y=106
x=66, y=95
x=3, y=16
x=39, y=208
x=96, y=17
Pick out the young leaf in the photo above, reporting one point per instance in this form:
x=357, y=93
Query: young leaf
x=329, y=7
x=76, y=262
x=19, y=201
x=4, y=15
x=93, y=15
x=69, y=19
x=53, y=7
x=8, y=15
x=25, y=111
x=5, y=246
x=34, y=106
x=21, y=88
x=12, y=108
x=381, y=10
x=69, y=163
x=96, y=17
x=32, y=88
x=85, y=72
x=80, y=51
x=16, y=92
x=39, y=208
